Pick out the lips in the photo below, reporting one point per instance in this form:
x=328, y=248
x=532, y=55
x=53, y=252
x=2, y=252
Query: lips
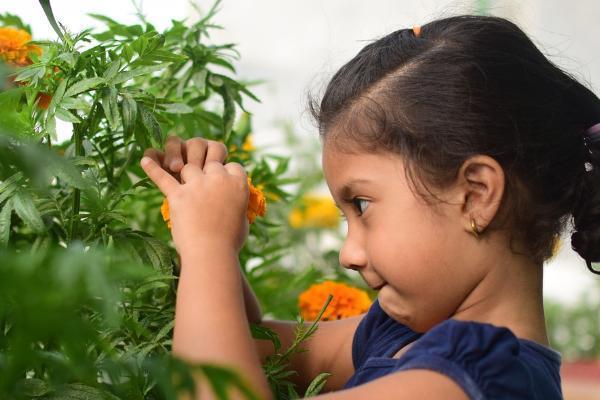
x=378, y=287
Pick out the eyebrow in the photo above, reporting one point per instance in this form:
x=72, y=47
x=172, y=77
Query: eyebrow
x=346, y=189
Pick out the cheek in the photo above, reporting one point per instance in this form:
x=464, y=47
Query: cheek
x=419, y=260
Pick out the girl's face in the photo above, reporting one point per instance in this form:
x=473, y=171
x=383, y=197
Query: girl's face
x=395, y=239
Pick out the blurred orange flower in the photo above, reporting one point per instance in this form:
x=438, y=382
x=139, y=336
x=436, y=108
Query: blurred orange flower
x=166, y=213
x=14, y=47
x=44, y=100
x=347, y=301
x=257, y=205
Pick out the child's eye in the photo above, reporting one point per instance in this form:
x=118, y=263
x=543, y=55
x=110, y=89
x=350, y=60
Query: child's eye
x=356, y=201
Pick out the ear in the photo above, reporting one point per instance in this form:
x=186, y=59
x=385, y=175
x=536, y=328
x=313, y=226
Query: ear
x=480, y=187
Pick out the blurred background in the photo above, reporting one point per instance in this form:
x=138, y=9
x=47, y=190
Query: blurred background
x=293, y=48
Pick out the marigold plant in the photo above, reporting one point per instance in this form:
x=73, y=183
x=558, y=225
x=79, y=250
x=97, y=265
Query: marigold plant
x=347, y=301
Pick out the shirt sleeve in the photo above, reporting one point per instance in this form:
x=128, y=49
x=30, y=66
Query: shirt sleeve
x=481, y=358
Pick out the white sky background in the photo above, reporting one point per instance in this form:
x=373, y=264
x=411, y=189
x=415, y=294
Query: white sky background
x=296, y=46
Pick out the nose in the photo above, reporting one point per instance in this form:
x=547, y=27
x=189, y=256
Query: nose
x=353, y=255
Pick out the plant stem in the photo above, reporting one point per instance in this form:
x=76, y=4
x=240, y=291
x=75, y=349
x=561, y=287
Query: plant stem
x=78, y=139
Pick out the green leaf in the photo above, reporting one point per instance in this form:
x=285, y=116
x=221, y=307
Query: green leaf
x=8, y=19
x=228, y=111
x=129, y=112
x=150, y=123
x=28, y=73
x=83, y=85
x=5, y=216
x=221, y=378
x=34, y=387
x=124, y=76
x=57, y=97
x=78, y=391
x=111, y=106
x=75, y=103
x=177, y=108
x=66, y=116
x=157, y=252
x=10, y=185
x=112, y=70
x=69, y=57
x=25, y=208
x=317, y=384
x=50, y=15
x=15, y=116
x=264, y=333
x=165, y=56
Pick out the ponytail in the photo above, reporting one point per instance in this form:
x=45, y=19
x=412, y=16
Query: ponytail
x=586, y=211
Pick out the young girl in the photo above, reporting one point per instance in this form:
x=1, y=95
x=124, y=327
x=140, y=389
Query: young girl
x=458, y=153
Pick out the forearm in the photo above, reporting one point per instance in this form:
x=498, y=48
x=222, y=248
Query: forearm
x=210, y=317
x=251, y=302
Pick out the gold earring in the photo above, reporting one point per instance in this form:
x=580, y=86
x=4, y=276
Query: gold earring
x=474, y=229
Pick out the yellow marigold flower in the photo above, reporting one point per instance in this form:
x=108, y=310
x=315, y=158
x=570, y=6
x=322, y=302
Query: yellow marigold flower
x=248, y=144
x=315, y=211
x=347, y=301
x=257, y=205
x=14, y=47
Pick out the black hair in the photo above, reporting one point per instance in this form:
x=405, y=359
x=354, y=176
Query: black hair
x=468, y=85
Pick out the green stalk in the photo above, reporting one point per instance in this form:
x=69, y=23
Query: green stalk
x=78, y=139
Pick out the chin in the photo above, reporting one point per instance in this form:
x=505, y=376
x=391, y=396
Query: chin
x=399, y=310
x=394, y=308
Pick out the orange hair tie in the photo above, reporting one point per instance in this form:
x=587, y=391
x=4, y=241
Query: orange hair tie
x=417, y=30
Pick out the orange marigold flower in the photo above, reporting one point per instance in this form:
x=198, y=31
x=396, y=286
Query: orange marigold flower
x=14, y=47
x=347, y=301
x=166, y=213
x=257, y=205
x=44, y=100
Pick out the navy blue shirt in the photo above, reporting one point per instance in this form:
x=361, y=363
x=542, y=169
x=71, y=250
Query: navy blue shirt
x=486, y=361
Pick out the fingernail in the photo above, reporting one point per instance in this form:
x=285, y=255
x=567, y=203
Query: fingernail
x=176, y=165
x=145, y=161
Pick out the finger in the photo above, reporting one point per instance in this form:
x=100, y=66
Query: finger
x=236, y=169
x=191, y=172
x=195, y=149
x=173, y=158
x=157, y=155
x=214, y=167
x=217, y=151
x=165, y=182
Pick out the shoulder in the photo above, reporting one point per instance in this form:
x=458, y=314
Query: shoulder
x=482, y=360
x=485, y=360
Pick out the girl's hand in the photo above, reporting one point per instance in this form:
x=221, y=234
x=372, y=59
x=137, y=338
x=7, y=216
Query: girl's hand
x=209, y=204
x=195, y=151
